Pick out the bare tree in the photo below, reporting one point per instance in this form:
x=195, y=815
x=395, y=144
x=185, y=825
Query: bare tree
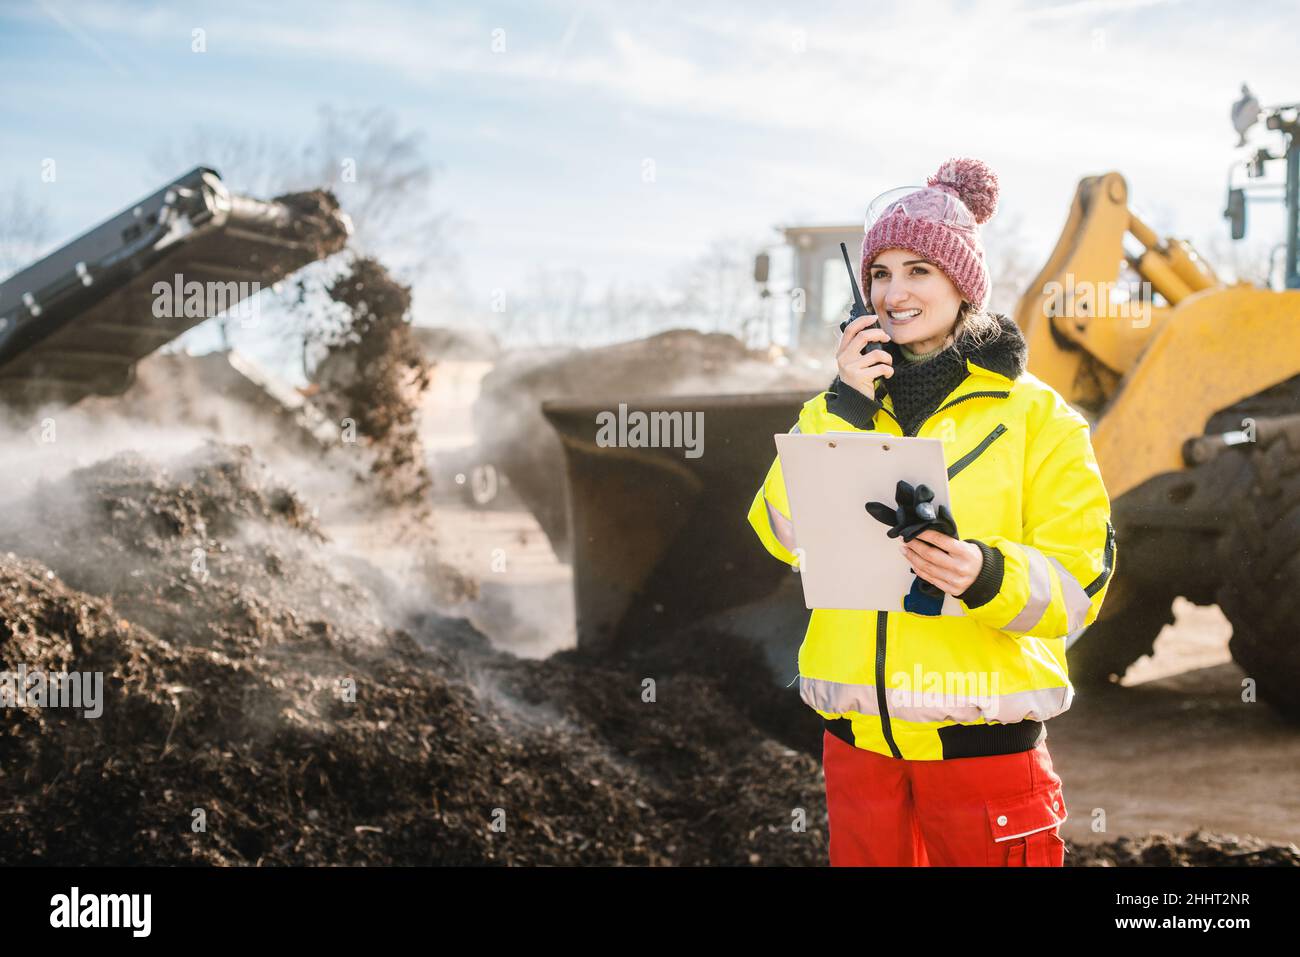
x=379, y=172
x=549, y=310
x=1251, y=259
x=381, y=176
x=24, y=229
x=634, y=310
x=260, y=166
x=1010, y=264
x=716, y=291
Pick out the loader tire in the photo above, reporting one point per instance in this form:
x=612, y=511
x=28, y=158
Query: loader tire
x=1260, y=592
x=1103, y=652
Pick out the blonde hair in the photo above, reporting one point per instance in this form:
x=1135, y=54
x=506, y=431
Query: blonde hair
x=974, y=326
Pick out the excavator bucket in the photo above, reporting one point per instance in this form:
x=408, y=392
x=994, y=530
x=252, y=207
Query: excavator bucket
x=76, y=322
x=660, y=540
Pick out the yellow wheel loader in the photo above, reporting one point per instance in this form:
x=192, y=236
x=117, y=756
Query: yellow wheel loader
x=1193, y=389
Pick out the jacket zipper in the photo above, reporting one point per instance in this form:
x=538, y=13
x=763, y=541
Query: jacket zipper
x=1108, y=563
x=976, y=452
x=882, y=617
x=882, y=625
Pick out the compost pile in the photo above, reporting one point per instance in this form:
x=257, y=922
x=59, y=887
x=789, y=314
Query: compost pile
x=261, y=705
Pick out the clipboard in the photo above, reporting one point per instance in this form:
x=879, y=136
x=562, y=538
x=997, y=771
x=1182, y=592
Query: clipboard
x=846, y=558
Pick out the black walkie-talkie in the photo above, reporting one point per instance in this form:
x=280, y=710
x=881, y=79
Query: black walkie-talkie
x=859, y=308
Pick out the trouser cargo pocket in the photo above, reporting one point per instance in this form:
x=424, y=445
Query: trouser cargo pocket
x=1025, y=829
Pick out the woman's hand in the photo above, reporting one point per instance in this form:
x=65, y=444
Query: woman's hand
x=857, y=370
x=945, y=561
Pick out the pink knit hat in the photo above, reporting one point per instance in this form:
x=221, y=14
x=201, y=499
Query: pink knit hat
x=940, y=222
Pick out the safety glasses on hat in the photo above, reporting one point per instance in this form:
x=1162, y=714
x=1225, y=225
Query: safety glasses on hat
x=920, y=202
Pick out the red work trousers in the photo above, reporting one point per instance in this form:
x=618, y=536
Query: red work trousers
x=997, y=811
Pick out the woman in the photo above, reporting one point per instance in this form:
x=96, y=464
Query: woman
x=934, y=745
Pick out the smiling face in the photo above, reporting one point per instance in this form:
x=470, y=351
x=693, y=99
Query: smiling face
x=916, y=302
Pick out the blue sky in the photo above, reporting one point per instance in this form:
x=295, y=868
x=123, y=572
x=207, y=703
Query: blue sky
x=754, y=114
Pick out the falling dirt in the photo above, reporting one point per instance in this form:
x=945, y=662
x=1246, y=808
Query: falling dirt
x=373, y=376
x=315, y=220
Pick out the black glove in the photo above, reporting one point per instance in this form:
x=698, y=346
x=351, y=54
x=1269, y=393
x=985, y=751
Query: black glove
x=914, y=513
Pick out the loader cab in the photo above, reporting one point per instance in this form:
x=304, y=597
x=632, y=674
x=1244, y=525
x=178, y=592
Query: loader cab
x=819, y=294
x=1286, y=120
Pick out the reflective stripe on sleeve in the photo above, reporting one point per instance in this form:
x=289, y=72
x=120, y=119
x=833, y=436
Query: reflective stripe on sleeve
x=1077, y=602
x=1040, y=591
x=782, y=527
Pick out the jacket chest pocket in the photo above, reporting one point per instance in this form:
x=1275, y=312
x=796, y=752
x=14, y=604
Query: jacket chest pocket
x=987, y=501
x=983, y=445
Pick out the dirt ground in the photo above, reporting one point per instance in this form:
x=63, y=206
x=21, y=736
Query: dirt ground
x=1176, y=748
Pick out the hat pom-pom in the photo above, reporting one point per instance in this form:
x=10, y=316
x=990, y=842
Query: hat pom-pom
x=973, y=181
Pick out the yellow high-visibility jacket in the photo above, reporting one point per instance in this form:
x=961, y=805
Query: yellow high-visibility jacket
x=1025, y=485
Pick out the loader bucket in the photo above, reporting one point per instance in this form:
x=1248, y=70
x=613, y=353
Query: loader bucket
x=660, y=540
